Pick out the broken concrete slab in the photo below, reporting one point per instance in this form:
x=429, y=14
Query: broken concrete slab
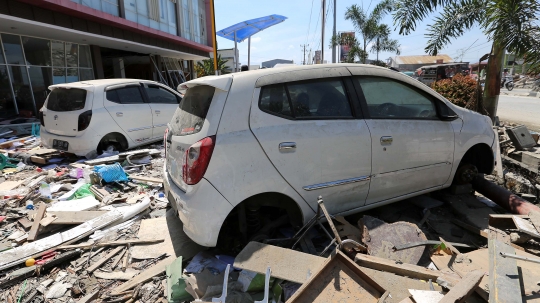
x=384, y=237
x=521, y=137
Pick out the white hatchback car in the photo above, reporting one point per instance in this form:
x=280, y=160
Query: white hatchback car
x=249, y=146
x=88, y=116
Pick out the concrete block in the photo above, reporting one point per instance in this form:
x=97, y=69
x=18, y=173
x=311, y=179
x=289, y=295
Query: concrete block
x=530, y=159
x=521, y=137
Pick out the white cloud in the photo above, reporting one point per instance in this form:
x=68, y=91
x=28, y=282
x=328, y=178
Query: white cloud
x=256, y=39
x=291, y=46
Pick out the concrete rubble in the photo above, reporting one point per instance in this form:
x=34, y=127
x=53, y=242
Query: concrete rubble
x=101, y=230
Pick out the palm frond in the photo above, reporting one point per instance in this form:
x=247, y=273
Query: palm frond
x=381, y=9
x=408, y=12
x=355, y=14
x=455, y=19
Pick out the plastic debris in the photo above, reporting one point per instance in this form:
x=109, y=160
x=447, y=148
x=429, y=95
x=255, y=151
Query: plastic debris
x=111, y=173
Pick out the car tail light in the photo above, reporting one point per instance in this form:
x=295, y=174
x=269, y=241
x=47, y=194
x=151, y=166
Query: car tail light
x=84, y=120
x=196, y=160
x=40, y=116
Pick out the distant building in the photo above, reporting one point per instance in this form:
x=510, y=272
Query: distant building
x=412, y=63
x=228, y=54
x=272, y=63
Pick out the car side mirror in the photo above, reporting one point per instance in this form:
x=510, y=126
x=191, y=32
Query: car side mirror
x=446, y=113
x=449, y=117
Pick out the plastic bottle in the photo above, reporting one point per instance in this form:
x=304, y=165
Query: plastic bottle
x=45, y=190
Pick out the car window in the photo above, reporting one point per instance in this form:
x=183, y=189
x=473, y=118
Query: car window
x=390, y=99
x=125, y=95
x=191, y=113
x=273, y=99
x=319, y=98
x=65, y=100
x=157, y=94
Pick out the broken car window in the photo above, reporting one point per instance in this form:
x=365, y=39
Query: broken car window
x=191, y=113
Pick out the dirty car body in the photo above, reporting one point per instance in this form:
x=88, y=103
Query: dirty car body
x=361, y=136
x=91, y=116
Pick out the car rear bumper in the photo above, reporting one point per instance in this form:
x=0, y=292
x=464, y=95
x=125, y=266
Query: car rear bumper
x=80, y=146
x=202, y=209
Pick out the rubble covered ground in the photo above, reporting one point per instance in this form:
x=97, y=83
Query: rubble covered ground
x=101, y=230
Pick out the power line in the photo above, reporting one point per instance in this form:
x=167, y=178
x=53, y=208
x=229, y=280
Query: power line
x=309, y=24
x=316, y=27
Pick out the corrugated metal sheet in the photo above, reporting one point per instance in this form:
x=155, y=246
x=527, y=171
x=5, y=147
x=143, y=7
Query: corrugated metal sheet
x=423, y=59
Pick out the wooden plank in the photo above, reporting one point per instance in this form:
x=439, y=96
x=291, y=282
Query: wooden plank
x=403, y=269
x=535, y=219
x=9, y=185
x=526, y=227
x=464, y=288
x=7, y=144
x=89, y=297
x=20, y=254
x=114, y=243
x=74, y=217
x=426, y=296
x=504, y=286
x=146, y=179
x=286, y=264
x=104, y=259
x=25, y=223
x=47, y=220
x=32, y=235
x=144, y=276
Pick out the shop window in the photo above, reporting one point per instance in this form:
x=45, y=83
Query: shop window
x=72, y=75
x=58, y=53
x=86, y=74
x=37, y=51
x=13, y=49
x=21, y=88
x=110, y=7
x=41, y=79
x=7, y=108
x=72, y=54
x=85, y=60
x=59, y=75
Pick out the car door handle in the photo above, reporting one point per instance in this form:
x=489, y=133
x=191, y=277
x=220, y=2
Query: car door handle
x=119, y=114
x=386, y=140
x=157, y=111
x=287, y=145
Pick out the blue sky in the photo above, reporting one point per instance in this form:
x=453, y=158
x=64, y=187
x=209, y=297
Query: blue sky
x=283, y=41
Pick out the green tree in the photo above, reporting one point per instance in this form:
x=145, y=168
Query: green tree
x=355, y=50
x=206, y=67
x=509, y=24
x=383, y=43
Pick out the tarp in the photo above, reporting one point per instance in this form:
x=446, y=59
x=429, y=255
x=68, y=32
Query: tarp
x=248, y=28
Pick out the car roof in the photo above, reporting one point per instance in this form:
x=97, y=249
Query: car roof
x=88, y=84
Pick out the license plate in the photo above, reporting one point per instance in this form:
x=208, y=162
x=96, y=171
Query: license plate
x=60, y=145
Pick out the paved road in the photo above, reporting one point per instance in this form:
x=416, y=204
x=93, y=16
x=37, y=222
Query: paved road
x=520, y=109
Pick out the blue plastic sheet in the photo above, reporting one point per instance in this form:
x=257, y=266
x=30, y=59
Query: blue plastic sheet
x=249, y=28
x=111, y=173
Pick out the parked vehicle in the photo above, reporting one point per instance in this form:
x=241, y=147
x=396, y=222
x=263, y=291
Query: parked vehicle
x=93, y=116
x=247, y=149
x=508, y=82
x=431, y=73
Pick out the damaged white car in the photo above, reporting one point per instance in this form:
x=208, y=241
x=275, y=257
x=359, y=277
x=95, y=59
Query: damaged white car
x=247, y=150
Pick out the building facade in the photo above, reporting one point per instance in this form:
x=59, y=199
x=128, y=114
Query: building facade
x=46, y=42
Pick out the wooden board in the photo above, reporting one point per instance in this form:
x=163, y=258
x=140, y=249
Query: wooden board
x=32, y=235
x=464, y=288
x=9, y=185
x=339, y=280
x=526, y=227
x=7, y=144
x=504, y=284
x=535, y=219
x=170, y=228
x=146, y=179
x=104, y=259
x=74, y=217
x=19, y=254
x=144, y=276
x=286, y=264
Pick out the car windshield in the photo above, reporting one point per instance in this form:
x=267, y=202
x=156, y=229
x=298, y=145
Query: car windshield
x=65, y=100
x=190, y=114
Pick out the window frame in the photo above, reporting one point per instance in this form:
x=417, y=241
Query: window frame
x=364, y=105
x=116, y=87
x=348, y=88
x=146, y=85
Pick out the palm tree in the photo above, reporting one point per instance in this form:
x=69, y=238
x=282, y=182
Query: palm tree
x=383, y=43
x=509, y=24
x=206, y=67
x=368, y=24
x=355, y=50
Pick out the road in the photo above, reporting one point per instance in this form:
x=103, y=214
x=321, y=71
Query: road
x=521, y=110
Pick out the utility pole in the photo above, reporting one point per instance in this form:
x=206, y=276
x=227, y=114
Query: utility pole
x=322, y=31
x=334, y=55
x=304, y=46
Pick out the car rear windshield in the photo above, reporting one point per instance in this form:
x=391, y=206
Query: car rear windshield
x=189, y=117
x=65, y=100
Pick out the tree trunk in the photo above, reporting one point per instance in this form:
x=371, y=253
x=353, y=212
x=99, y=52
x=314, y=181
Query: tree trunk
x=364, y=54
x=492, y=87
x=378, y=49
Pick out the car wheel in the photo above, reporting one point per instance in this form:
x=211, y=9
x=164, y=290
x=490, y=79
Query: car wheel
x=465, y=174
x=109, y=147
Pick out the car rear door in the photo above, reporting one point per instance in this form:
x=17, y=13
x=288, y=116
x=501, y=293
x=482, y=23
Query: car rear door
x=128, y=108
x=315, y=137
x=63, y=107
x=163, y=104
x=412, y=147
